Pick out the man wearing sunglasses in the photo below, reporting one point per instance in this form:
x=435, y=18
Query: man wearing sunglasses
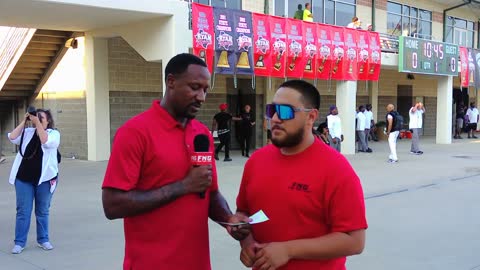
x=310, y=193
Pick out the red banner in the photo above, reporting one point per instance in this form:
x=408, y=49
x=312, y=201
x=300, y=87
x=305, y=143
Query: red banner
x=464, y=72
x=375, y=56
x=350, y=69
x=261, y=45
x=325, y=52
x=309, y=30
x=339, y=53
x=278, y=44
x=363, y=54
x=203, y=33
x=295, y=59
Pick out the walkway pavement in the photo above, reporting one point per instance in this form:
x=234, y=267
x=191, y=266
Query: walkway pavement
x=421, y=213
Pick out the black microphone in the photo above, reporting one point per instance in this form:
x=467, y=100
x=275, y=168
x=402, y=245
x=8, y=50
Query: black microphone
x=202, y=155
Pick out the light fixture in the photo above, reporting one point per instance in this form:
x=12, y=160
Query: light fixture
x=71, y=43
x=410, y=76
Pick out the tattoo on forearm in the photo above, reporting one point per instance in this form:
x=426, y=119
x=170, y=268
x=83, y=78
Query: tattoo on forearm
x=219, y=209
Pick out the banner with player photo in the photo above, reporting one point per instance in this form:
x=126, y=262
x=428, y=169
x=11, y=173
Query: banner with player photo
x=350, y=69
x=471, y=67
x=476, y=63
x=339, y=53
x=261, y=46
x=463, y=66
x=243, y=40
x=325, y=52
x=363, y=55
x=295, y=63
x=278, y=45
x=203, y=33
x=310, y=49
x=375, y=62
x=225, y=59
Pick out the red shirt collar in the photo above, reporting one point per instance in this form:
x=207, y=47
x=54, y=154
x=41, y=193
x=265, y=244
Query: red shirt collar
x=166, y=119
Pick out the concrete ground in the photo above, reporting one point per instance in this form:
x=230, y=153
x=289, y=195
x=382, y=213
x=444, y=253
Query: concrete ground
x=422, y=213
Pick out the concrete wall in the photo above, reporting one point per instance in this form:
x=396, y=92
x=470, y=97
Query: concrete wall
x=134, y=83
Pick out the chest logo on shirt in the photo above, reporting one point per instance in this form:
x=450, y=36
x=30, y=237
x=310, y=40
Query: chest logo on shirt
x=299, y=187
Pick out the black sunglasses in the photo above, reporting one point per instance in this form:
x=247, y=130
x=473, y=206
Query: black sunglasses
x=283, y=111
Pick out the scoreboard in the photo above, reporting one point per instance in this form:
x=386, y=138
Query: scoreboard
x=427, y=57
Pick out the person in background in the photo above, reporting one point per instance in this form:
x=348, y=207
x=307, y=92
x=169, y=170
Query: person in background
x=299, y=13
x=472, y=118
x=369, y=124
x=316, y=216
x=324, y=134
x=34, y=174
x=361, y=134
x=221, y=123
x=369, y=27
x=355, y=24
x=335, y=128
x=459, y=118
x=307, y=13
x=392, y=133
x=415, y=124
x=246, y=130
x=165, y=202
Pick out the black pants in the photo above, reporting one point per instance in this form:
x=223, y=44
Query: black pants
x=245, y=139
x=224, y=140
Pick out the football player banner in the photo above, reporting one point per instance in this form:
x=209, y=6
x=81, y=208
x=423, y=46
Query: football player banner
x=476, y=62
x=261, y=46
x=203, y=33
x=225, y=59
x=310, y=49
x=338, y=62
x=325, y=51
x=278, y=45
x=295, y=63
x=243, y=40
x=471, y=67
x=464, y=66
x=363, y=54
x=375, y=62
x=350, y=68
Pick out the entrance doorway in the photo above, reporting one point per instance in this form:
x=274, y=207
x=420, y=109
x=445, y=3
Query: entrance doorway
x=237, y=98
x=404, y=102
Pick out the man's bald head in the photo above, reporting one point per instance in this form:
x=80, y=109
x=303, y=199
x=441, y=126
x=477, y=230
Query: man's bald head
x=390, y=107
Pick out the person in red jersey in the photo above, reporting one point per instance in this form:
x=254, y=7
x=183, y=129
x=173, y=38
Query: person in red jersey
x=150, y=183
x=309, y=191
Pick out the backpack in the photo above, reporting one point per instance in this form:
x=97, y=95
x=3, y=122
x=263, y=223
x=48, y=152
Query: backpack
x=397, y=124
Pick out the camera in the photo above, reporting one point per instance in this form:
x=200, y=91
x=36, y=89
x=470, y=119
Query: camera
x=32, y=111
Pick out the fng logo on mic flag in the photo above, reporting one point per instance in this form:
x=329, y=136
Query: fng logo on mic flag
x=201, y=158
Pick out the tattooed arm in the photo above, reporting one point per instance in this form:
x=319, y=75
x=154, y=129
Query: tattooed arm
x=119, y=204
x=220, y=211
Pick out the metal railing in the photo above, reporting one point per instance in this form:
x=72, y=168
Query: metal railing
x=9, y=47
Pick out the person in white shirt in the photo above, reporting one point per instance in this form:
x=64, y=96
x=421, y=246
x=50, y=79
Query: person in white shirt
x=361, y=124
x=369, y=124
x=335, y=127
x=415, y=124
x=472, y=118
x=392, y=133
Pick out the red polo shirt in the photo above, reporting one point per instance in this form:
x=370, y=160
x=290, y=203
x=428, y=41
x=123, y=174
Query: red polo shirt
x=307, y=195
x=149, y=151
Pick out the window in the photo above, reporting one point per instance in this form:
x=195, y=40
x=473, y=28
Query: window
x=403, y=20
x=232, y=4
x=459, y=32
x=337, y=12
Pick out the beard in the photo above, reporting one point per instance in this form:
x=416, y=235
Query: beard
x=290, y=140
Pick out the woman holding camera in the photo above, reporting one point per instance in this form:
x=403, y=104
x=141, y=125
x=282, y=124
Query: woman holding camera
x=34, y=174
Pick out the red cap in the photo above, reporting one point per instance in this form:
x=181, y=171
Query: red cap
x=223, y=106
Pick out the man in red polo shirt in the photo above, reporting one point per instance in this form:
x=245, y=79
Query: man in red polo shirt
x=151, y=183
x=309, y=191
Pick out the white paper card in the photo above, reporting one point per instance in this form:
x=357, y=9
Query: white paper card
x=258, y=217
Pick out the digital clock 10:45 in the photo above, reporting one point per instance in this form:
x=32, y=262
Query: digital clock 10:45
x=427, y=57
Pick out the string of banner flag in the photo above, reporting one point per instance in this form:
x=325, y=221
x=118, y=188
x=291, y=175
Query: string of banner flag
x=241, y=42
